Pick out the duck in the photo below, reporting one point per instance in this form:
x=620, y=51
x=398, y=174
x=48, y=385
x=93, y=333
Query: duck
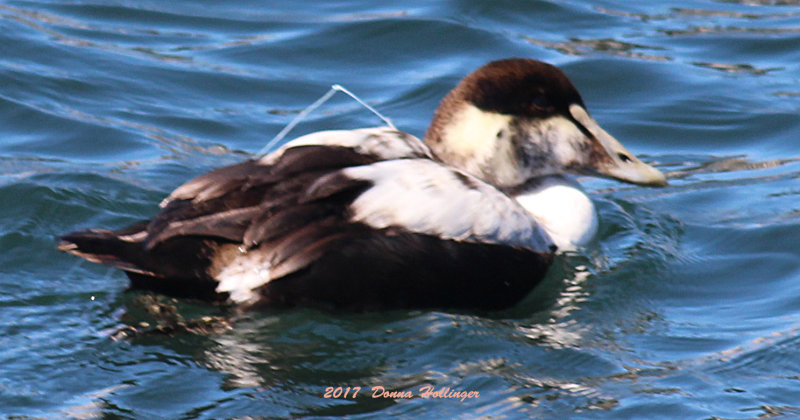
x=369, y=219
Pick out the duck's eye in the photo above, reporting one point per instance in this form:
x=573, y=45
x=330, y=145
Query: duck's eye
x=623, y=157
x=539, y=102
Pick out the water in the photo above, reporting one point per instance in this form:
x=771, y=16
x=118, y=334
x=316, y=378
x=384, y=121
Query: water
x=686, y=306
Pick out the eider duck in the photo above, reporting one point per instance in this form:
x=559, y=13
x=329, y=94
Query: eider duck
x=374, y=218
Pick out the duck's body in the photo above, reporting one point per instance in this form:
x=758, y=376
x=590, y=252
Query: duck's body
x=359, y=219
x=374, y=219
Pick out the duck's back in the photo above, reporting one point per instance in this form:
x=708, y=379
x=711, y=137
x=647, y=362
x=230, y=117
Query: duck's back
x=364, y=220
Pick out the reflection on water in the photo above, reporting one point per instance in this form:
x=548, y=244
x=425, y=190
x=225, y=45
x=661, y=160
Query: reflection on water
x=703, y=30
x=683, y=22
x=580, y=47
x=737, y=68
x=684, y=306
x=763, y=2
x=727, y=164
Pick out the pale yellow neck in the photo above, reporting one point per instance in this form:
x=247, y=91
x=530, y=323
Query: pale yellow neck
x=477, y=142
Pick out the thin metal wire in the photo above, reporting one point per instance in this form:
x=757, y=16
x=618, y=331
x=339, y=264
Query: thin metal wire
x=387, y=121
x=309, y=109
x=278, y=137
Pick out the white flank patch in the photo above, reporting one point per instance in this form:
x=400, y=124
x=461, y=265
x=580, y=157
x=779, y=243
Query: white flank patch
x=424, y=196
x=563, y=209
x=242, y=273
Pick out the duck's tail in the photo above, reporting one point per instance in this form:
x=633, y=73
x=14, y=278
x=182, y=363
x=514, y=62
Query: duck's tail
x=121, y=249
x=176, y=268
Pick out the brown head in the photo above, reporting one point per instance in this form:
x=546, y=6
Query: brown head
x=517, y=119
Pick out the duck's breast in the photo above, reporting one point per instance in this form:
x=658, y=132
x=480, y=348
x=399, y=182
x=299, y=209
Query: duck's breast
x=563, y=209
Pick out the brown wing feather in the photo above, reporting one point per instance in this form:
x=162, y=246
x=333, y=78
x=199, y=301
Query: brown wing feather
x=213, y=204
x=247, y=203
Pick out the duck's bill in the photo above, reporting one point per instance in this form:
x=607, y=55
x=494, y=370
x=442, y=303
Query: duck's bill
x=636, y=172
x=620, y=163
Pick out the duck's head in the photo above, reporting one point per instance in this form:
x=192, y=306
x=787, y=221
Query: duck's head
x=517, y=119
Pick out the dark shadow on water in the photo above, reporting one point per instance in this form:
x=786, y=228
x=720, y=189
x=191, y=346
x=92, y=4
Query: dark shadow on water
x=289, y=358
x=303, y=352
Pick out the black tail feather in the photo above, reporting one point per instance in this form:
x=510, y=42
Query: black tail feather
x=177, y=267
x=105, y=247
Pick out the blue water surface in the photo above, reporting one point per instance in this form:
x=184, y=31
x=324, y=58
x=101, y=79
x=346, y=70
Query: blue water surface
x=686, y=306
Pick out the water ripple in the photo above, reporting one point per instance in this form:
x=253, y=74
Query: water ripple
x=684, y=306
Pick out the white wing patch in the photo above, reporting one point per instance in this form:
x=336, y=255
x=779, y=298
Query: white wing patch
x=383, y=142
x=424, y=196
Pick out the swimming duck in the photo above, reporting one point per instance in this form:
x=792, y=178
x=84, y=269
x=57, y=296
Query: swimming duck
x=375, y=219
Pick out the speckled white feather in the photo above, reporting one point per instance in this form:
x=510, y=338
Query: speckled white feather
x=241, y=273
x=383, y=142
x=424, y=196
